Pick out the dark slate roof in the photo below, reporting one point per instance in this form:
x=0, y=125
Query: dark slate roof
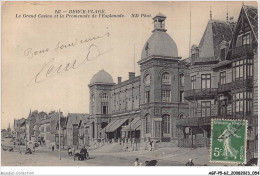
x=46, y=120
x=42, y=114
x=54, y=119
x=19, y=121
x=40, y=117
x=74, y=118
x=215, y=32
x=222, y=63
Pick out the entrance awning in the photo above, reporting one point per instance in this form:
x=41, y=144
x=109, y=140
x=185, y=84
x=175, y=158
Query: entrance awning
x=113, y=125
x=107, y=127
x=116, y=125
x=134, y=125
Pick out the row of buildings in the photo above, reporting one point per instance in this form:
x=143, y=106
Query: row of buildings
x=173, y=100
x=43, y=129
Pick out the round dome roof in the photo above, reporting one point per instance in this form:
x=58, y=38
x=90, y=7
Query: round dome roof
x=102, y=77
x=160, y=44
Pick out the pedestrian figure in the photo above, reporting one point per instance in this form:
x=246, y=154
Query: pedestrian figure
x=150, y=145
x=85, y=152
x=70, y=151
x=190, y=163
x=73, y=150
x=137, y=163
x=28, y=151
x=52, y=147
x=11, y=149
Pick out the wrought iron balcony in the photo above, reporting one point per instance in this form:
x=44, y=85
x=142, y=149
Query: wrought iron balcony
x=200, y=121
x=200, y=93
x=242, y=83
x=192, y=121
x=242, y=50
x=224, y=87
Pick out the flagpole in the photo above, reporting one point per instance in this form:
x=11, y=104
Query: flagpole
x=59, y=138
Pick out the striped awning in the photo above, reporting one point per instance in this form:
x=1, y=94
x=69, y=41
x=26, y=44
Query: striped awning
x=134, y=125
x=113, y=125
x=116, y=125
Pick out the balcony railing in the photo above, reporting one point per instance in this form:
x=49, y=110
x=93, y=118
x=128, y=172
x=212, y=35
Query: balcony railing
x=241, y=50
x=243, y=82
x=200, y=93
x=193, y=121
x=224, y=87
x=200, y=121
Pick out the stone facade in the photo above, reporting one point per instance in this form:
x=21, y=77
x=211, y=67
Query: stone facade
x=157, y=105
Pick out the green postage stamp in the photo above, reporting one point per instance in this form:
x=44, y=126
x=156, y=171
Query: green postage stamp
x=228, y=141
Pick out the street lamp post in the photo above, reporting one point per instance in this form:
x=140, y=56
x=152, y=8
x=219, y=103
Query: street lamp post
x=19, y=139
x=25, y=136
x=59, y=137
x=130, y=131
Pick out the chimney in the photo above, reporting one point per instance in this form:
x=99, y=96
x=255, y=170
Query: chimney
x=131, y=75
x=119, y=79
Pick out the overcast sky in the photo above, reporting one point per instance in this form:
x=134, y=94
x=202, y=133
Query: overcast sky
x=69, y=90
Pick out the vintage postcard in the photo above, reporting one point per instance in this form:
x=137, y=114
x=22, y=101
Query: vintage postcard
x=129, y=83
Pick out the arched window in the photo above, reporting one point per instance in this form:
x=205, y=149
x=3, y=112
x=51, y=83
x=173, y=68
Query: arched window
x=166, y=90
x=166, y=123
x=104, y=103
x=147, y=80
x=181, y=116
x=147, y=123
x=166, y=78
x=93, y=98
x=147, y=91
x=104, y=97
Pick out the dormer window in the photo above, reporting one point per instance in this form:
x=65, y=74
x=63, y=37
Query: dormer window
x=243, y=39
x=194, y=52
x=246, y=39
x=222, y=53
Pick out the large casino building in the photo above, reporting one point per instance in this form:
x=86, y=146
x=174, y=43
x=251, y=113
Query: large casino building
x=173, y=100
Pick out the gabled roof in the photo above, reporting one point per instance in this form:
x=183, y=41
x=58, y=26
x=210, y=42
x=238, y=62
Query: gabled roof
x=252, y=17
x=249, y=15
x=215, y=32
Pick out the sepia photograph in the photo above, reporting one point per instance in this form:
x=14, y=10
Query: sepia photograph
x=152, y=83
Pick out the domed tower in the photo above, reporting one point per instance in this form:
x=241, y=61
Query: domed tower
x=100, y=110
x=161, y=84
